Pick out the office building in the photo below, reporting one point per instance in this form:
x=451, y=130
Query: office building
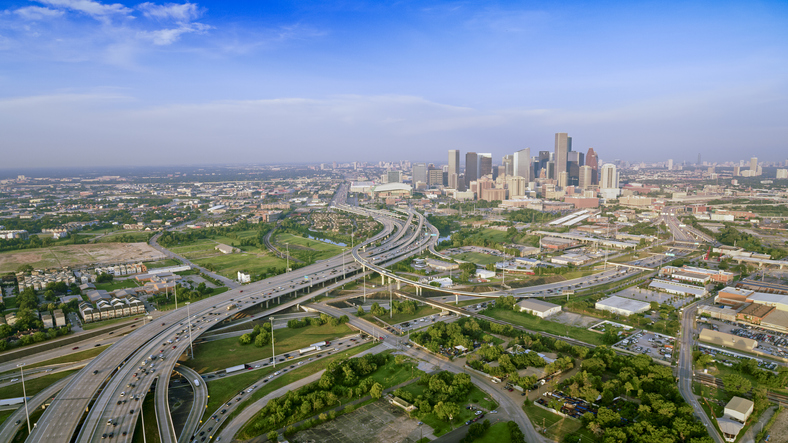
x=608, y=183
x=782, y=173
x=471, y=168
x=508, y=163
x=419, y=173
x=454, y=167
x=540, y=165
x=516, y=185
x=434, y=177
x=593, y=160
x=522, y=164
x=584, y=181
x=754, y=165
x=563, y=179
x=737, y=171
x=670, y=164
x=394, y=176
x=563, y=145
x=485, y=165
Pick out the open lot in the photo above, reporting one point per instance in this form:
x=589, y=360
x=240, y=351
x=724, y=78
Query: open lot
x=319, y=249
x=375, y=422
x=228, y=265
x=78, y=255
x=535, y=323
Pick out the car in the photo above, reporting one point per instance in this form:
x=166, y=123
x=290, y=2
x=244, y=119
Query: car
x=111, y=332
x=131, y=411
x=163, y=324
x=224, y=410
x=97, y=345
x=104, y=435
x=95, y=372
x=75, y=348
x=17, y=422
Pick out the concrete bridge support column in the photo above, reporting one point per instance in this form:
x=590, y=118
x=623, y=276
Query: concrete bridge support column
x=399, y=285
x=457, y=299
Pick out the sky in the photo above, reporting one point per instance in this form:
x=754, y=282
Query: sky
x=91, y=83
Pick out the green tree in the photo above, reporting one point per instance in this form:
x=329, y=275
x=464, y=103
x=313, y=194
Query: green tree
x=377, y=391
x=736, y=384
x=245, y=339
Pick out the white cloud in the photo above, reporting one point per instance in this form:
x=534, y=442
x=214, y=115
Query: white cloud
x=37, y=12
x=185, y=12
x=163, y=37
x=89, y=7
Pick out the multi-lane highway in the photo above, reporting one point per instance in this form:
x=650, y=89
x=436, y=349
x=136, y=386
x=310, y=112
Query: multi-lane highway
x=111, y=387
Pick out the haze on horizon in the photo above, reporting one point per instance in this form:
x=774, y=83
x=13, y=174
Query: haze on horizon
x=88, y=83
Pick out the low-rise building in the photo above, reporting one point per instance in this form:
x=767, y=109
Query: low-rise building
x=538, y=308
x=727, y=340
x=683, y=289
x=622, y=306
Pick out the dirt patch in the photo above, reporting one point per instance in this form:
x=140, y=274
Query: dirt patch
x=375, y=422
x=572, y=319
x=779, y=430
x=79, y=255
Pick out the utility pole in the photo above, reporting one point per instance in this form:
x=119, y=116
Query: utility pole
x=287, y=245
x=24, y=394
x=191, y=346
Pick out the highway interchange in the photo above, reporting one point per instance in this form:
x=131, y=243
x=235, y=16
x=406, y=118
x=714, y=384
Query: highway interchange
x=104, y=398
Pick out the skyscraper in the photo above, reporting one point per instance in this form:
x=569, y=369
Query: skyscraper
x=541, y=164
x=609, y=178
x=419, y=173
x=584, y=181
x=670, y=164
x=471, y=168
x=563, y=144
x=522, y=164
x=593, y=160
x=485, y=164
x=508, y=163
x=754, y=165
x=454, y=169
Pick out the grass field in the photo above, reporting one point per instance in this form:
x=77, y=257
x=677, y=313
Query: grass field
x=171, y=305
x=228, y=265
x=33, y=386
x=325, y=250
x=498, y=433
x=5, y=414
x=72, y=255
x=477, y=257
x=475, y=396
x=117, y=284
x=222, y=390
x=535, y=323
x=112, y=321
x=162, y=263
x=70, y=358
x=220, y=354
x=557, y=426
x=401, y=317
x=296, y=374
x=134, y=236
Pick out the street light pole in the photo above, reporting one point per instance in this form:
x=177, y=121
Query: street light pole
x=273, y=353
x=24, y=394
x=287, y=256
x=343, y=263
x=191, y=346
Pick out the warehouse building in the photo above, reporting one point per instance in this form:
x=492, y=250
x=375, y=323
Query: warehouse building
x=622, y=306
x=754, y=313
x=727, y=340
x=683, y=289
x=538, y=308
x=736, y=413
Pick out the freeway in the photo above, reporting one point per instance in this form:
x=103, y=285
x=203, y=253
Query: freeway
x=200, y=390
x=15, y=421
x=127, y=361
x=685, y=371
x=162, y=408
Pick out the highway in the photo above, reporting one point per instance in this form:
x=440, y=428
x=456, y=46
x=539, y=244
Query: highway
x=685, y=371
x=114, y=370
x=162, y=408
x=199, y=403
x=17, y=420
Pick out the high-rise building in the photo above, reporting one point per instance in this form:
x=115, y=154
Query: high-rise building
x=541, y=164
x=563, y=179
x=754, y=164
x=609, y=177
x=670, y=164
x=454, y=166
x=394, y=176
x=516, y=186
x=782, y=173
x=736, y=170
x=471, y=168
x=485, y=164
x=522, y=164
x=452, y=181
x=434, y=177
x=593, y=160
x=573, y=164
x=508, y=163
x=584, y=181
x=419, y=173
x=563, y=144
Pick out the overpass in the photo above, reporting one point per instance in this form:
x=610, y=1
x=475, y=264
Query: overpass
x=627, y=265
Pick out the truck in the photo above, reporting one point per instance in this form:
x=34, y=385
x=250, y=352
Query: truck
x=320, y=344
x=307, y=349
x=196, y=382
x=235, y=368
x=231, y=306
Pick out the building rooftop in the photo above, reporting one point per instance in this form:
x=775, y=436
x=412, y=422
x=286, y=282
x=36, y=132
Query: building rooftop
x=536, y=305
x=623, y=303
x=740, y=405
x=756, y=310
x=727, y=340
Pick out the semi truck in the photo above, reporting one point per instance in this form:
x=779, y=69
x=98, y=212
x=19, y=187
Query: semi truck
x=320, y=344
x=307, y=349
x=237, y=368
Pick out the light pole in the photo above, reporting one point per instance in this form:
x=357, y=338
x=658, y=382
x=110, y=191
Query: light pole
x=189, y=317
x=175, y=291
x=273, y=353
x=287, y=256
x=24, y=394
x=343, y=263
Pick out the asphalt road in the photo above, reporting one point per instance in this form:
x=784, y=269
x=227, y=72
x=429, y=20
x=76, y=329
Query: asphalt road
x=200, y=389
x=10, y=427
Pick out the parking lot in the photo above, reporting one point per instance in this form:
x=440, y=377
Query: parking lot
x=769, y=342
x=656, y=346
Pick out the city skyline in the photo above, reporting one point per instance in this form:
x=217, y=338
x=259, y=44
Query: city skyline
x=207, y=82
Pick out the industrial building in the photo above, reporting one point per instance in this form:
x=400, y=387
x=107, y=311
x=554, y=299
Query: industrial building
x=727, y=340
x=622, y=306
x=735, y=415
x=538, y=308
x=682, y=289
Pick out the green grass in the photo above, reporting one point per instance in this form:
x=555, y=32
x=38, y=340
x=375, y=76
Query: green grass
x=325, y=250
x=151, y=429
x=422, y=311
x=222, y=390
x=220, y=354
x=33, y=386
x=477, y=257
x=171, y=304
x=557, y=426
x=134, y=236
x=498, y=433
x=70, y=358
x=112, y=321
x=166, y=263
x=440, y=427
x=228, y=265
x=296, y=374
x=5, y=414
x=535, y=323
x=117, y=284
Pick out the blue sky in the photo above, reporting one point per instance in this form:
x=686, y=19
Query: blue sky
x=84, y=82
